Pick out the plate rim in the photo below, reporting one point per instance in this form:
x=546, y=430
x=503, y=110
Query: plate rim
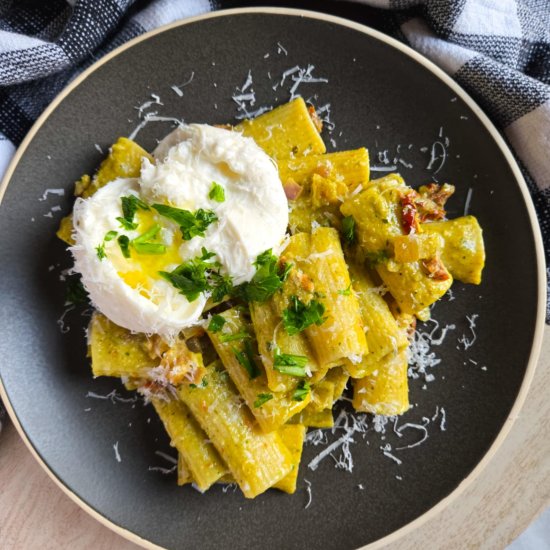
x=496, y=136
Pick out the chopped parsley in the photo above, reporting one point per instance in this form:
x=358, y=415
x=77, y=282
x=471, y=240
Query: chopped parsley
x=143, y=244
x=110, y=235
x=124, y=244
x=100, y=251
x=233, y=337
x=262, y=398
x=221, y=286
x=285, y=363
x=217, y=193
x=375, y=258
x=298, y=316
x=301, y=391
x=216, y=323
x=346, y=291
x=76, y=293
x=348, y=229
x=246, y=359
x=203, y=384
x=269, y=278
x=199, y=275
x=130, y=204
x=191, y=224
x=189, y=278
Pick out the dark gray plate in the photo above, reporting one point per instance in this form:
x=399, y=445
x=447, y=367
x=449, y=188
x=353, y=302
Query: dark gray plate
x=381, y=97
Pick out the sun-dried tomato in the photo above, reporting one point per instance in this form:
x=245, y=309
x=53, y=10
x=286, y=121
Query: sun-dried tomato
x=409, y=218
x=435, y=269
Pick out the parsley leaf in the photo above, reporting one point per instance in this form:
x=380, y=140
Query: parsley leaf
x=246, y=359
x=298, y=316
x=222, y=286
x=124, y=244
x=346, y=291
x=216, y=323
x=130, y=204
x=100, y=251
x=217, y=193
x=189, y=278
x=232, y=337
x=262, y=398
x=348, y=229
x=266, y=281
x=143, y=244
x=191, y=225
x=203, y=384
x=285, y=363
x=76, y=293
x=375, y=258
x=301, y=391
x=199, y=275
x=110, y=235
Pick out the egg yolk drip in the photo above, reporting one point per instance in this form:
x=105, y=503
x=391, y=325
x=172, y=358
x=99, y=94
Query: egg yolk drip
x=141, y=270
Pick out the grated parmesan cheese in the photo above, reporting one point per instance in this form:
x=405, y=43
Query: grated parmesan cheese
x=117, y=454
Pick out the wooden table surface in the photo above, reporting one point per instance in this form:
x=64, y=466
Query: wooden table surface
x=490, y=513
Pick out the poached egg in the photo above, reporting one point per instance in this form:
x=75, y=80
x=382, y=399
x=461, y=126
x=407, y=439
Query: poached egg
x=250, y=214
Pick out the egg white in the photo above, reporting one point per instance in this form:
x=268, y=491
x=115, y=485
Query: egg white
x=254, y=215
x=166, y=313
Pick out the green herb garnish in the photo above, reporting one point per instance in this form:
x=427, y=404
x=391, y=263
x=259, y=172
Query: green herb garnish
x=348, y=229
x=301, y=391
x=217, y=193
x=233, y=337
x=110, y=235
x=143, y=244
x=266, y=281
x=203, y=384
x=189, y=278
x=246, y=359
x=221, y=286
x=124, y=244
x=130, y=204
x=100, y=251
x=298, y=316
x=200, y=275
x=346, y=291
x=262, y=398
x=76, y=293
x=216, y=323
x=375, y=258
x=191, y=225
x=285, y=363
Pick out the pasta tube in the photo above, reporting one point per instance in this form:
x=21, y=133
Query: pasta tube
x=463, y=251
x=203, y=461
x=293, y=437
x=271, y=336
x=385, y=391
x=184, y=475
x=321, y=274
x=319, y=183
x=378, y=213
x=384, y=337
x=256, y=460
x=285, y=131
x=271, y=409
x=116, y=351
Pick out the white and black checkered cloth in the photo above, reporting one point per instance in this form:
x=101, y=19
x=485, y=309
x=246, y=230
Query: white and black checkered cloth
x=498, y=50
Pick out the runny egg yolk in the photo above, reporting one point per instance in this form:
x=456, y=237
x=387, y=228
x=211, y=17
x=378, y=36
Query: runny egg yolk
x=139, y=271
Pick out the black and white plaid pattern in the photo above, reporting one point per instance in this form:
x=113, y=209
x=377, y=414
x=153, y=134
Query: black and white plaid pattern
x=498, y=50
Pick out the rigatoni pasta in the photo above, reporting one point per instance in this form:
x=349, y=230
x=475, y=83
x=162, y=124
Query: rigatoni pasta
x=271, y=354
